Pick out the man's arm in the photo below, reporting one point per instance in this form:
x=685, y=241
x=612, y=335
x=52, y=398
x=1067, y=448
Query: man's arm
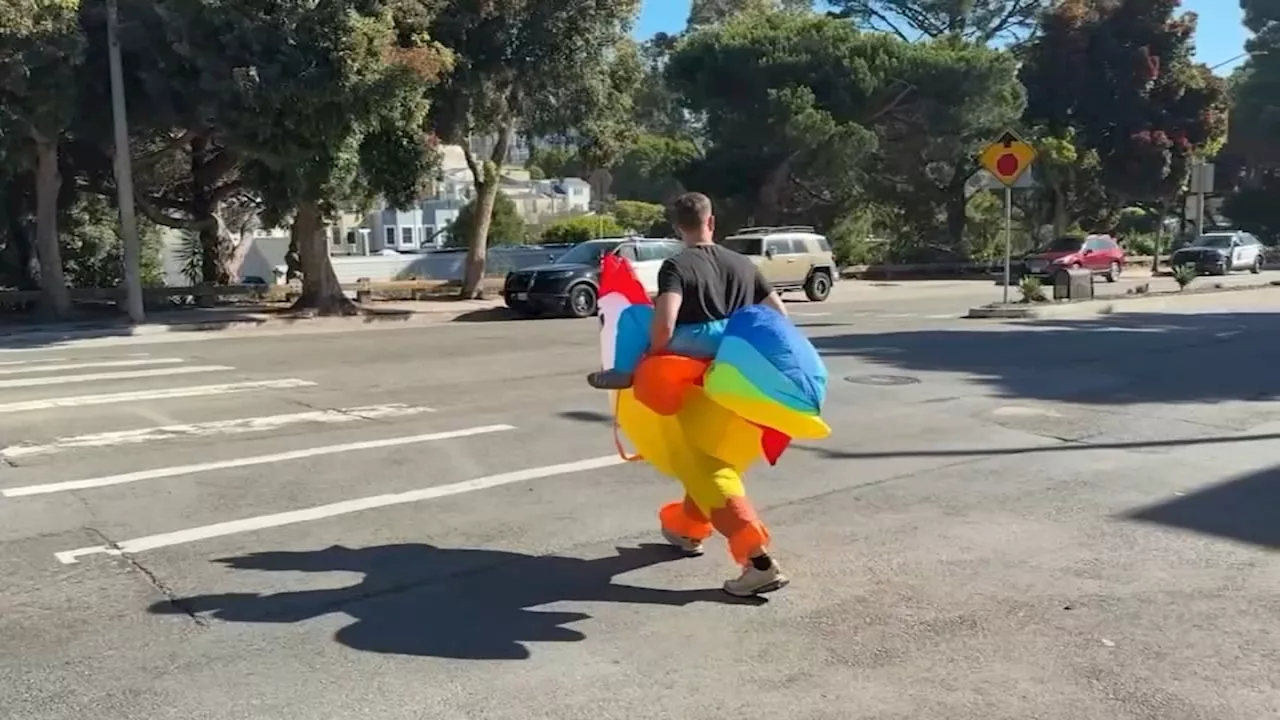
x=766, y=295
x=666, y=307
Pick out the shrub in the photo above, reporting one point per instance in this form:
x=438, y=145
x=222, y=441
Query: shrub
x=581, y=229
x=1183, y=275
x=1032, y=290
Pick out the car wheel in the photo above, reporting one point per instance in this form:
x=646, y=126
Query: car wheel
x=1257, y=265
x=1113, y=272
x=818, y=287
x=582, y=301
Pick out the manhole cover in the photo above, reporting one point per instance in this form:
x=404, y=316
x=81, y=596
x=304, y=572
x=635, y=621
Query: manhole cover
x=882, y=379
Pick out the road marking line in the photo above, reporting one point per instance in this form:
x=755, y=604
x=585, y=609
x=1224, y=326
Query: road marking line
x=238, y=426
x=810, y=314
x=31, y=362
x=47, y=368
x=177, y=470
x=158, y=394
x=125, y=375
x=346, y=507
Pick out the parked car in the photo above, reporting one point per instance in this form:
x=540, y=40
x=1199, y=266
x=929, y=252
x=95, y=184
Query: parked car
x=791, y=258
x=1100, y=254
x=1218, y=253
x=570, y=284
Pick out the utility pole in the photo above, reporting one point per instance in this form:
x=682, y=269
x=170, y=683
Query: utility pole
x=124, y=172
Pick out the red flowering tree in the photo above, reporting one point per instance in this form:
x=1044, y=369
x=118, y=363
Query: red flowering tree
x=1120, y=75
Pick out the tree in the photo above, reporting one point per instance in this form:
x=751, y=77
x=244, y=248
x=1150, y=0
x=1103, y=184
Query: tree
x=1121, y=75
x=1255, y=116
x=582, y=228
x=92, y=249
x=710, y=12
x=40, y=50
x=505, y=228
x=531, y=69
x=806, y=118
x=332, y=112
x=979, y=21
x=649, y=168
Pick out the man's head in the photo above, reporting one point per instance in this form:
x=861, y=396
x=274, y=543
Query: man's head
x=691, y=216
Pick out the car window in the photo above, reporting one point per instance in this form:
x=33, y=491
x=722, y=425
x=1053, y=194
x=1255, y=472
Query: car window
x=1065, y=244
x=745, y=245
x=628, y=251
x=1214, y=241
x=799, y=246
x=823, y=245
x=778, y=246
x=1250, y=239
x=656, y=251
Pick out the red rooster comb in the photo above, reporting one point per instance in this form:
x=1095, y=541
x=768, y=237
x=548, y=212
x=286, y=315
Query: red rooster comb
x=617, y=276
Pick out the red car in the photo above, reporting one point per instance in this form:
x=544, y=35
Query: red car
x=1098, y=253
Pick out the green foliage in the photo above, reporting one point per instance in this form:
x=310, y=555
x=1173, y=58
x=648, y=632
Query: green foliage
x=710, y=12
x=860, y=237
x=506, y=227
x=1255, y=117
x=1183, y=275
x=639, y=217
x=650, y=166
x=978, y=21
x=1121, y=75
x=1140, y=243
x=834, y=118
x=92, y=253
x=1256, y=208
x=40, y=50
x=1032, y=290
x=582, y=228
x=557, y=162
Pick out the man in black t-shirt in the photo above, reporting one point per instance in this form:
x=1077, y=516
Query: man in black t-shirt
x=698, y=290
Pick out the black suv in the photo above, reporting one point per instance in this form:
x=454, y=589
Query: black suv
x=570, y=284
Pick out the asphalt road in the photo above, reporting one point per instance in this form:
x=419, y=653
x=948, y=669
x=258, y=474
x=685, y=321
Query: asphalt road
x=1068, y=520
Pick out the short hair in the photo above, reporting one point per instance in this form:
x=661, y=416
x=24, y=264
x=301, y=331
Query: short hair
x=690, y=211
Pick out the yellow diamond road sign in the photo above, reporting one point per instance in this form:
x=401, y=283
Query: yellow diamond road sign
x=1007, y=158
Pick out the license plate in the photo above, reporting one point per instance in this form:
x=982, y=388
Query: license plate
x=520, y=297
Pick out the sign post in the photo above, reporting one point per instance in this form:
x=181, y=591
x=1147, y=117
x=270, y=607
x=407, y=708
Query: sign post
x=1007, y=159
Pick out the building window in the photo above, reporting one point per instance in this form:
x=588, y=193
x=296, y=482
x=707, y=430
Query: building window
x=391, y=237
x=428, y=233
x=351, y=237
x=406, y=236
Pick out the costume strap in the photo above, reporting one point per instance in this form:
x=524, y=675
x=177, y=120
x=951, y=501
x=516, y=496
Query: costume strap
x=617, y=433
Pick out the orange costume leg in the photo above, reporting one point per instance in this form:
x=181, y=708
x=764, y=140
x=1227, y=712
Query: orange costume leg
x=714, y=498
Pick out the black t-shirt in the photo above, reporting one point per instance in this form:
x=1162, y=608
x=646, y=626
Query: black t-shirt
x=714, y=282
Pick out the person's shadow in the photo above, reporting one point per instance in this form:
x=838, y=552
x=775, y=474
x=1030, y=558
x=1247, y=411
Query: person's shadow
x=418, y=599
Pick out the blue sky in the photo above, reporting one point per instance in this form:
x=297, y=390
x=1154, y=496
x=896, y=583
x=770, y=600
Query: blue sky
x=1219, y=38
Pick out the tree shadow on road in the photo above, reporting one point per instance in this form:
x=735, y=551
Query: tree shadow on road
x=1119, y=359
x=1246, y=509
x=418, y=599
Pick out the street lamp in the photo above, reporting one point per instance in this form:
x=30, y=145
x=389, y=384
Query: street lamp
x=124, y=172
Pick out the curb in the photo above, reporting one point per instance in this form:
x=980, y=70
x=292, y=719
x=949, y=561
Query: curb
x=1095, y=308
x=246, y=321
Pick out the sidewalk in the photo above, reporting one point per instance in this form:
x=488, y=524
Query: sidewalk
x=257, y=316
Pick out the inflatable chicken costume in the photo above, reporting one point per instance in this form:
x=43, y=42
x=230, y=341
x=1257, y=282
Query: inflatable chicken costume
x=705, y=421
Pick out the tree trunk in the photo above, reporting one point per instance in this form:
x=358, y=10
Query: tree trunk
x=1059, y=212
x=1163, y=212
x=320, y=289
x=214, y=243
x=477, y=244
x=53, y=283
x=488, y=180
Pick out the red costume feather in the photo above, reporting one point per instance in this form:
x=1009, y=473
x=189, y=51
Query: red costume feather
x=617, y=276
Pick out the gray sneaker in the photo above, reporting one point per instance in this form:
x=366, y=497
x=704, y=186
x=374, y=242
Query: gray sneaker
x=756, y=582
x=689, y=546
x=609, y=380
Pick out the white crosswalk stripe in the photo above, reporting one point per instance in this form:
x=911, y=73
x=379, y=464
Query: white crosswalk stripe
x=74, y=467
